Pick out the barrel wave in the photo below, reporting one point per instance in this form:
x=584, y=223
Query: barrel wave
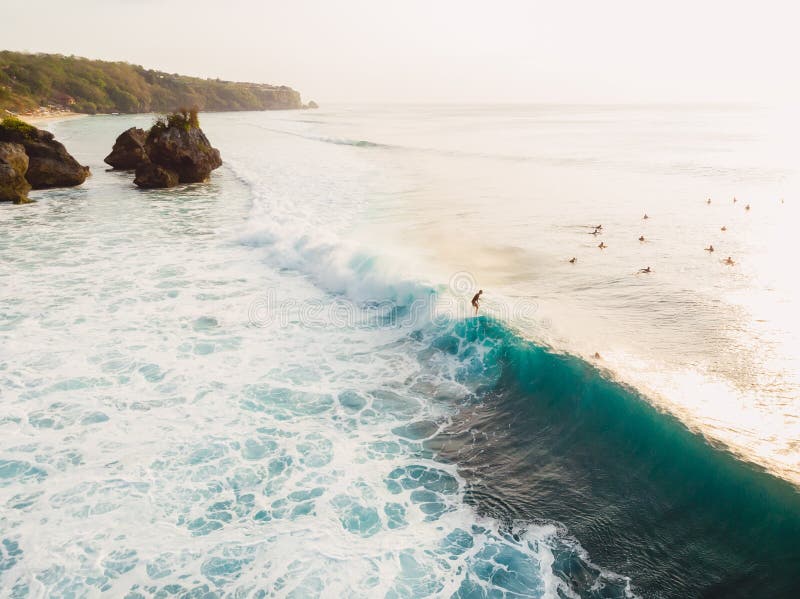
x=547, y=436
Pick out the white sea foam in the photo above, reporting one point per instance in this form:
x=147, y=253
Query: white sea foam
x=333, y=262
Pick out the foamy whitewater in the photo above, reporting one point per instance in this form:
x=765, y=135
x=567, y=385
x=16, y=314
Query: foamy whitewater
x=271, y=384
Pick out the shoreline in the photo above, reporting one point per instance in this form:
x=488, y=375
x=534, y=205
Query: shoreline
x=45, y=116
x=49, y=116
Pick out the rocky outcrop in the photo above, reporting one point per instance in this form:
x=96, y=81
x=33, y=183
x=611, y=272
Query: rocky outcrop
x=153, y=176
x=128, y=151
x=174, y=150
x=13, y=166
x=49, y=163
x=313, y=104
x=185, y=150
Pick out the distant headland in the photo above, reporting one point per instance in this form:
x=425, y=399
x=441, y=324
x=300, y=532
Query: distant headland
x=56, y=83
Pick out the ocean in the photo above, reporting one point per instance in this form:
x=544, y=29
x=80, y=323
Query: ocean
x=273, y=384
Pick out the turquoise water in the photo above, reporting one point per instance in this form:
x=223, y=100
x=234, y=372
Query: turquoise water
x=268, y=385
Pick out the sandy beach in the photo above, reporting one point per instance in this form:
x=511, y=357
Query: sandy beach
x=50, y=115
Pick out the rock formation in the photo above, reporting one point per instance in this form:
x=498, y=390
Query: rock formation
x=175, y=150
x=13, y=166
x=184, y=150
x=49, y=163
x=153, y=176
x=128, y=151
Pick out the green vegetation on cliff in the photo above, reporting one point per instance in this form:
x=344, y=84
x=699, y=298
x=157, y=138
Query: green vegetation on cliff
x=28, y=81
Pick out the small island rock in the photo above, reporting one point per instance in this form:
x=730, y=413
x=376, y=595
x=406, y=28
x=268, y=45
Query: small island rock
x=13, y=166
x=50, y=165
x=128, y=151
x=174, y=150
x=187, y=151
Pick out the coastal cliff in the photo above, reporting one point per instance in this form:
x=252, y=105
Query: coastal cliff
x=30, y=81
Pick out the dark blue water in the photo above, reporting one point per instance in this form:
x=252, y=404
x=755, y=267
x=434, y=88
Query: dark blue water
x=550, y=437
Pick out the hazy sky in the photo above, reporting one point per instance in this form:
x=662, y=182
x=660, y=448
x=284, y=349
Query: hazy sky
x=445, y=50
